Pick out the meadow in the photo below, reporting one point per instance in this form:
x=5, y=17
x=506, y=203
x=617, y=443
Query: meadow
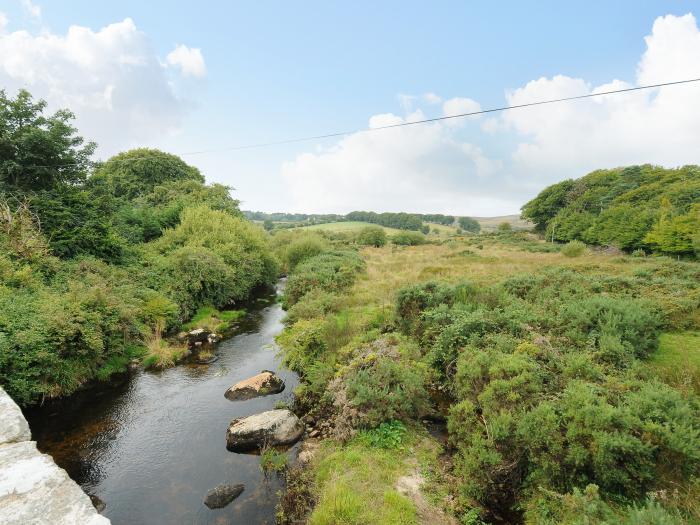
x=372, y=350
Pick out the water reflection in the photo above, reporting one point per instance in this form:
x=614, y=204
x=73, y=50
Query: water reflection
x=152, y=446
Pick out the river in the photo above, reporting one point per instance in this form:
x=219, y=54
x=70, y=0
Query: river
x=151, y=446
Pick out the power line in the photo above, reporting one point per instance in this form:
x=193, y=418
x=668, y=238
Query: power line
x=436, y=119
x=411, y=123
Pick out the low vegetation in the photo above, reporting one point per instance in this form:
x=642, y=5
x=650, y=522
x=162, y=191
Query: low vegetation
x=557, y=376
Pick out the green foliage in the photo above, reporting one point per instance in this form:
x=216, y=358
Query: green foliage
x=39, y=152
x=573, y=249
x=504, y=227
x=332, y=272
x=372, y=236
x=380, y=383
x=638, y=207
x=212, y=258
x=137, y=172
x=408, y=239
x=469, y=225
x=303, y=247
x=390, y=434
x=273, y=460
x=78, y=222
x=401, y=221
x=676, y=235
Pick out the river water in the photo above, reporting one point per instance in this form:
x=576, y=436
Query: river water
x=151, y=446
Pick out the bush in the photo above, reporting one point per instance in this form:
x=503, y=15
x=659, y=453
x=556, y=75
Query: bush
x=408, y=239
x=302, y=248
x=382, y=382
x=212, y=258
x=332, y=272
x=372, y=236
x=573, y=249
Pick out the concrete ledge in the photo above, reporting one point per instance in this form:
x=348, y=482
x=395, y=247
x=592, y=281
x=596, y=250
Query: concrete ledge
x=33, y=489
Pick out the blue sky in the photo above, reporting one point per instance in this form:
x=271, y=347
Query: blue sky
x=276, y=70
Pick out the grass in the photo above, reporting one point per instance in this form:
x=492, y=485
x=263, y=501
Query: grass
x=356, y=483
x=118, y=363
x=347, y=226
x=272, y=460
x=490, y=224
x=160, y=353
x=213, y=320
x=677, y=361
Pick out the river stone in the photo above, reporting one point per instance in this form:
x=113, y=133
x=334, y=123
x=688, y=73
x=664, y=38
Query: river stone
x=262, y=384
x=198, y=335
x=14, y=427
x=274, y=427
x=222, y=495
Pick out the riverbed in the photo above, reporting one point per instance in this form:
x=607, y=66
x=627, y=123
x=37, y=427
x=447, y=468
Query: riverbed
x=152, y=445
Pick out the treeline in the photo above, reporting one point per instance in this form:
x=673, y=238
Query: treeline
x=99, y=260
x=311, y=218
x=635, y=208
x=400, y=221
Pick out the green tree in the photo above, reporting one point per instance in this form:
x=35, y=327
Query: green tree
x=469, y=225
x=372, y=236
x=37, y=151
x=137, y=172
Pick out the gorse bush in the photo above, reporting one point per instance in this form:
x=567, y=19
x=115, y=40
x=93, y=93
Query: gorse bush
x=379, y=384
x=573, y=249
x=408, y=239
x=332, y=272
x=372, y=236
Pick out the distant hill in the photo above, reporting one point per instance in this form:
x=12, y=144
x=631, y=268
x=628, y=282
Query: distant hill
x=489, y=224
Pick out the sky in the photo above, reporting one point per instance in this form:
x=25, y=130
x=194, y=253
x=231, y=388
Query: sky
x=201, y=79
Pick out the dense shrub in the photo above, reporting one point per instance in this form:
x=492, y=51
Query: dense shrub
x=573, y=249
x=332, y=272
x=408, y=239
x=381, y=382
x=372, y=236
x=302, y=248
x=213, y=258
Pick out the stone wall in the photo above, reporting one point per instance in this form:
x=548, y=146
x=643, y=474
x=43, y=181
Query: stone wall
x=33, y=489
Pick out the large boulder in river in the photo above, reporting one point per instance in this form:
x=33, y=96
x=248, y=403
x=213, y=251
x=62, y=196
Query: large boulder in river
x=262, y=384
x=222, y=495
x=274, y=427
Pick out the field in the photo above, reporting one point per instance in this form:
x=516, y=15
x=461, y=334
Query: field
x=346, y=226
x=489, y=224
x=348, y=485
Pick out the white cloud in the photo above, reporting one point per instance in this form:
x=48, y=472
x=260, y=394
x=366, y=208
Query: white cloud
x=419, y=168
x=432, y=98
x=111, y=79
x=440, y=167
x=189, y=60
x=3, y=22
x=459, y=106
x=33, y=10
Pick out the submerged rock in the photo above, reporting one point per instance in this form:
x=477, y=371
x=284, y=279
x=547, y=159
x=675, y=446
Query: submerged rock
x=97, y=503
x=262, y=384
x=272, y=428
x=222, y=495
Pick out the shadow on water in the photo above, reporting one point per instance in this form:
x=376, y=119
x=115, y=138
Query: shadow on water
x=152, y=445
